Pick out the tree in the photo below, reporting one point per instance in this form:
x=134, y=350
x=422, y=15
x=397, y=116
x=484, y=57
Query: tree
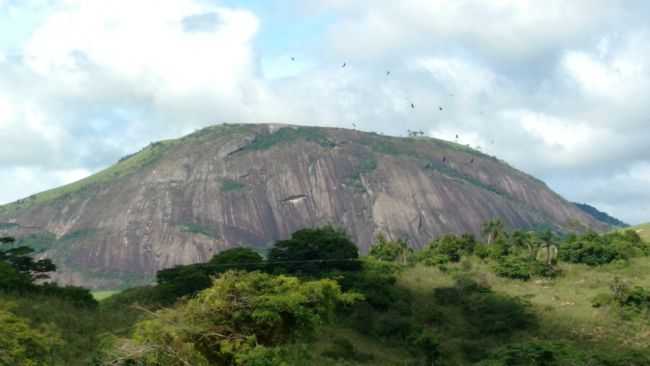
x=236, y=258
x=547, y=251
x=243, y=313
x=492, y=230
x=314, y=252
x=189, y=279
x=390, y=250
x=21, y=260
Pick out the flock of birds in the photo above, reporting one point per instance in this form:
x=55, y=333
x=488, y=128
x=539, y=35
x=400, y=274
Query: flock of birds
x=413, y=133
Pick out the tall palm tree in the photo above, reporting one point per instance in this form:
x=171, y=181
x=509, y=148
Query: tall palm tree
x=547, y=249
x=492, y=230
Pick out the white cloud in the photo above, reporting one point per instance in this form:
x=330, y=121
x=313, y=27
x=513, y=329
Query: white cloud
x=90, y=62
x=556, y=88
x=508, y=29
x=144, y=44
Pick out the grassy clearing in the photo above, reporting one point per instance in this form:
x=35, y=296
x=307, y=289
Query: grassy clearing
x=287, y=135
x=103, y=295
x=563, y=304
x=383, y=354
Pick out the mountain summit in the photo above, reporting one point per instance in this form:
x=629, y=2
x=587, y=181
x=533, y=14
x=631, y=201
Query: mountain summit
x=181, y=201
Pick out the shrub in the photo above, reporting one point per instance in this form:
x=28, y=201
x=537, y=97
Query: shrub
x=523, y=268
x=482, y=251
x=449, y=248
x=226, y=322
x=77, y=296
x=390, y=250
x=343, y=349
x=376, y=281
x=428, y=344
x=392, y=325
x=22, y=344
x=12, y=280
x=601, y=300
x=514, y=267
x=541, y=353
x=593, y=249
x=488, y=313
x=523, y=354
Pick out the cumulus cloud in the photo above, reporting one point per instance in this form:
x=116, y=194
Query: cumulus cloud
x=96, y=80
x=555, y=88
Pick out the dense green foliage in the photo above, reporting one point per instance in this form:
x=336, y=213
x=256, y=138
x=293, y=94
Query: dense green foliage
x=19, y=257
x=390, y=250
x=314, y=252
x=594, y=249
x=230, y=322
x=449, y=248
x=19, y=273
x=180, y=281
x=458, y=301
x=23, y=344
x=287, y=135
x=540, y=353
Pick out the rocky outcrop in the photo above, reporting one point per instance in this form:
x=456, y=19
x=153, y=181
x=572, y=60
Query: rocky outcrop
x=181, y=201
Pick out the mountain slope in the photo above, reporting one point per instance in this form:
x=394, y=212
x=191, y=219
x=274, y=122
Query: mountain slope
x=600, y=215
x=180, y=201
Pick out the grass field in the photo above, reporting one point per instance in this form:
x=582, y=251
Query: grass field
x=101, y=295
x=563, y=304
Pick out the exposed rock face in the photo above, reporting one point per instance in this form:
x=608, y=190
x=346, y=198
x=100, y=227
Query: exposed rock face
x=181, y=201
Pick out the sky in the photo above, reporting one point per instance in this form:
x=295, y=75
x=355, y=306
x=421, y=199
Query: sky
x=558, y=89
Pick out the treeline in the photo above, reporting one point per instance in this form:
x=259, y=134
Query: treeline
x=241, y=308
x=465, y=323
x=21, y=273
x=523, y=254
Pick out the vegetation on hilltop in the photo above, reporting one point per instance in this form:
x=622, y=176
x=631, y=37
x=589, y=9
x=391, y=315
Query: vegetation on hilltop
x=601, y=216
x=124, y=167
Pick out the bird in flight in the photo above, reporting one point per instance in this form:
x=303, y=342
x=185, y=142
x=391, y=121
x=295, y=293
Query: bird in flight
x=293, y=59
x=344, y=64
x=388, y=73
x=440, y=108
x=412, y=106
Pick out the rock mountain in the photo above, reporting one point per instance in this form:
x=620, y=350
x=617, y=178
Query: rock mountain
x=183, y=200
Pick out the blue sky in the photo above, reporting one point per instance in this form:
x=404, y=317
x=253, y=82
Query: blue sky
x=558, y=89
